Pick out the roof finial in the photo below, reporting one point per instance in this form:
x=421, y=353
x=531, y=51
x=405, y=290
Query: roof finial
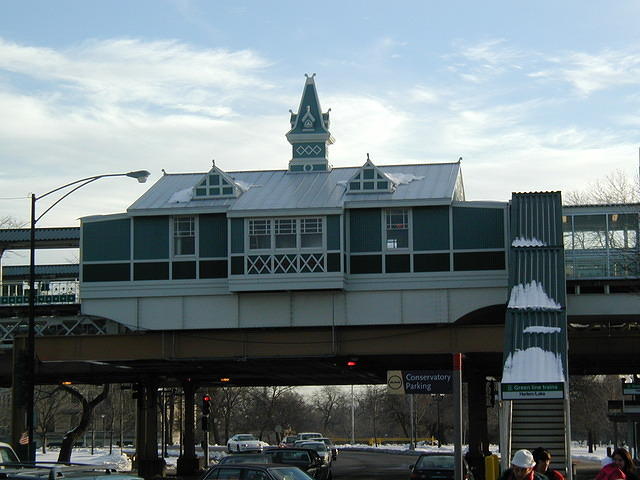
x=164, y=172
x=368, y=157
x=213, y=162
x=460, y=159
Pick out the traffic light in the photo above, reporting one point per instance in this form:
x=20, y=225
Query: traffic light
x=206, y=404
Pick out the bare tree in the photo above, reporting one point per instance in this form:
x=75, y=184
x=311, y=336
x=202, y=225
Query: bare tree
x=88, y=407
x=326, y=402
x=616, y=187
x=11, y=222
x=48, y=405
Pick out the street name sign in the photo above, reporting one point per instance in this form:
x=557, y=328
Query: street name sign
x=531, y=391
x=423, y=382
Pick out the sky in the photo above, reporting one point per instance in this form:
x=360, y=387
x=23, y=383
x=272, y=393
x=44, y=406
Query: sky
x=534, y=96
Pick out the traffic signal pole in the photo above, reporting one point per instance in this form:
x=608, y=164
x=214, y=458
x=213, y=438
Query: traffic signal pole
x=206, y=410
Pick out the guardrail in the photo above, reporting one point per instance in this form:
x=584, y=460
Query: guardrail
x=55, y=292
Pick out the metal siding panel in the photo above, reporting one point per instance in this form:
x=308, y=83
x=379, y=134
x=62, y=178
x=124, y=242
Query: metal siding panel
x=150, y=238
x=333, y=232
x=366, y=230
x=431, y=228
x=537, y=216
x=475, y=228
x=213, y=235
x=237, y=235
x=106, y=241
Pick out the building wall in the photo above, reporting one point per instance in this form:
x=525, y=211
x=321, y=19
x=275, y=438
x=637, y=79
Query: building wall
x=411, y=265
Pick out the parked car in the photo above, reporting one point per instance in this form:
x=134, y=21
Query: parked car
x=305, y=459
x=288, y=441
x=255, y=472
x=330, y=445
x=241, y=458
x=320, y=448
x=309, y=435
x=242, y=442
x=437, y=466
x=7, y=454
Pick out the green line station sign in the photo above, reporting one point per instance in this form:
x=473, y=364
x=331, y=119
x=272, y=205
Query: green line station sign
x=423, y=382
x=532, y=391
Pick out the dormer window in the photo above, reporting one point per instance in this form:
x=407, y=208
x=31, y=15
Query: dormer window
x=370, y=179
x=215, y=184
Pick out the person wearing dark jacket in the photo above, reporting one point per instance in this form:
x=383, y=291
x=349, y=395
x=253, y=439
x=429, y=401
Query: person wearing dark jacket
x=522, y=468
x=542, y=457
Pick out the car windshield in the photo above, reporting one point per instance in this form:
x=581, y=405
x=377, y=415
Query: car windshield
x=235, y=459
x=245, y=437
x=288, y=473
x=327, y=442
x=288, y=456
x=317, y=446
x=435, y=461
x=7, y=456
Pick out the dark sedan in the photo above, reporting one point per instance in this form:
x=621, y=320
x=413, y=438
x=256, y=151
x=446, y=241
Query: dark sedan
x=303, y=458
x=437, y=466
x=244, y=458
x=255, y=472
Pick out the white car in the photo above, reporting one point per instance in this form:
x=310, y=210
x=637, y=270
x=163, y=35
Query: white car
x=243, y=442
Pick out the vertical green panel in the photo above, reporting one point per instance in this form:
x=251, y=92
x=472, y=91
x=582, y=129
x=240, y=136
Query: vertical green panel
x=107, y=240
x=431, y=228
x=478, y=228
x=237, y=235
x=333, y=232
x=365, y=230
x=150, y=238
x=213, y=235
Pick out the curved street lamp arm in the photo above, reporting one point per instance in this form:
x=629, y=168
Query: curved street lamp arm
x=85, y=181
x=95, y=177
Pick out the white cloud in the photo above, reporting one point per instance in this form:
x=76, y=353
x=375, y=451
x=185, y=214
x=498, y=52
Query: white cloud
x=591, y=72
x=167, y=74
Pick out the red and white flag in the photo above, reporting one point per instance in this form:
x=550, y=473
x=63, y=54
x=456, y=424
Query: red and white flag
x=24, y=439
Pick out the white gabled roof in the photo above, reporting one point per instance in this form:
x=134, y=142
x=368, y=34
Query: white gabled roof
x=279, y=190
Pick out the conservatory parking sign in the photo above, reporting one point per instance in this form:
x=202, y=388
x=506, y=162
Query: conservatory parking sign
x=531, y=391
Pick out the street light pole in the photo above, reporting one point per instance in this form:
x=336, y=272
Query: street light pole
x=141, y=176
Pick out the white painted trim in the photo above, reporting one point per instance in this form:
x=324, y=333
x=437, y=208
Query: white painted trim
x=103, y=218
x=285, y=212
x=391, y=203
x=481, y=204
x=425, y=281
x=154, y=288
x=257, y=283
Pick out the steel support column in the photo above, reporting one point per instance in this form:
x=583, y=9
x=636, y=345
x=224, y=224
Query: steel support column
x=478, y=430
x=150, y=465
x=188, y=463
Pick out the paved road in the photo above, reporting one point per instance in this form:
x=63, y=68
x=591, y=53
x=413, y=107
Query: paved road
x=365, y=465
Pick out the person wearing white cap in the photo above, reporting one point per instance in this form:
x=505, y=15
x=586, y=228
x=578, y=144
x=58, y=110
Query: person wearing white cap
x=522, y=465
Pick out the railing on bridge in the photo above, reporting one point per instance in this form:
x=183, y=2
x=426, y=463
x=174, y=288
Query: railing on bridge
x=601, y=241
x=48, y=292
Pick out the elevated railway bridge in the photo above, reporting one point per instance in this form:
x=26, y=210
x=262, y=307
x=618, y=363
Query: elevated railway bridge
x=82, y=345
